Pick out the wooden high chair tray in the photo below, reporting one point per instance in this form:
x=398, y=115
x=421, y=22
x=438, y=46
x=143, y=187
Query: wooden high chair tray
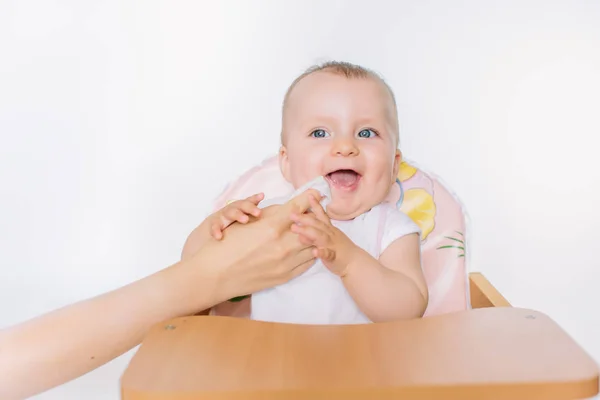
x=490, y=353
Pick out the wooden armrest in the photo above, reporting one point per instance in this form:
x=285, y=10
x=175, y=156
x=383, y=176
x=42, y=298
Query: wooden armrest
x=491, y=353
x=483, y=293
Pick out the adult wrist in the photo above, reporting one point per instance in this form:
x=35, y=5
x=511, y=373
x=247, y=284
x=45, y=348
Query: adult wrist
x=189, y=287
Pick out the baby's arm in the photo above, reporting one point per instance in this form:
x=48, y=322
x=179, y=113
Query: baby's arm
x=392, y=287
x=388, y=288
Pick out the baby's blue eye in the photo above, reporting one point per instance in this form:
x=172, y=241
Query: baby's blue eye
x=319, y=133
x=366, y=133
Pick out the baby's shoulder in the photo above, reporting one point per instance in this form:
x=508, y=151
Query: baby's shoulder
x=390, y=214
x=382, y=225
x=395, y=224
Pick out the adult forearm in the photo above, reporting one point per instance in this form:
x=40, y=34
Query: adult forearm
x=57, y=347
x=69, y=342
x=382, y=294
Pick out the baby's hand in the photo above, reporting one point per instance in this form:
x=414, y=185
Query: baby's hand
x=237, y=211
x=332, y=246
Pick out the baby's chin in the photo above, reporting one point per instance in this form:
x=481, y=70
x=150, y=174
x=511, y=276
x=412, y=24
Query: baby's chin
x=345, y=211
x=343, y=207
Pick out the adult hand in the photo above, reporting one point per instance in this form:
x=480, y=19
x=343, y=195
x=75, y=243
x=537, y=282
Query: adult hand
x=259, y=254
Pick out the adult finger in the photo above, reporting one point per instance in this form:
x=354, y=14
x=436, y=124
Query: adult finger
x=291, y=266
x=295, y=245
x=315, y=235
x=306, y=255
x=302, y=256
x=302, y=268
x=305, y=240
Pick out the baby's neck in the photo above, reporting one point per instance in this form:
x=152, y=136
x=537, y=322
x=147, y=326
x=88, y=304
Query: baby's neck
x=351, y=217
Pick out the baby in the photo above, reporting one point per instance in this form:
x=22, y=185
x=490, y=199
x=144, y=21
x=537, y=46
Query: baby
x=340, y=123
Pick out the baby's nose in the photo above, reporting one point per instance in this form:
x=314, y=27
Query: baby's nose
x=345, y=147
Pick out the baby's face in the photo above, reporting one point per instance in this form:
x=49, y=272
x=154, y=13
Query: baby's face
x=343, y=129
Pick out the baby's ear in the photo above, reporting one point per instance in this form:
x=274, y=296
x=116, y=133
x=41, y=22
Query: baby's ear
x=284, y=163
x=397, y=162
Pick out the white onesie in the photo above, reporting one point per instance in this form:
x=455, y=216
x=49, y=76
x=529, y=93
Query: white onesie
x=318, y=296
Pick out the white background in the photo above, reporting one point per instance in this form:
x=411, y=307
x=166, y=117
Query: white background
x=121, y=120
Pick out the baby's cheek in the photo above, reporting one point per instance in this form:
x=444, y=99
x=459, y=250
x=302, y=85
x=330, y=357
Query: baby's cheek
x=303, y=174
x=385, y=179
x=307, y=168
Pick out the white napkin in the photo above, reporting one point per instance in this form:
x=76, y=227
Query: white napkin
x=319, y=184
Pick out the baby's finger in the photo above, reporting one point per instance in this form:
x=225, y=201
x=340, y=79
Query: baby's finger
x=317, y=209
x=248, y=207
x=236, y=214
x=215, y=231
x=308, y=220
x=325, y=254
x=256, y=198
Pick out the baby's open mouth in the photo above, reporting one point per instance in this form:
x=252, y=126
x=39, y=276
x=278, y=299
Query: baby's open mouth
x=346, y=179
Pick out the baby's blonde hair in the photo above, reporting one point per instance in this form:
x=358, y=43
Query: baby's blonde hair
x=350, y=71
